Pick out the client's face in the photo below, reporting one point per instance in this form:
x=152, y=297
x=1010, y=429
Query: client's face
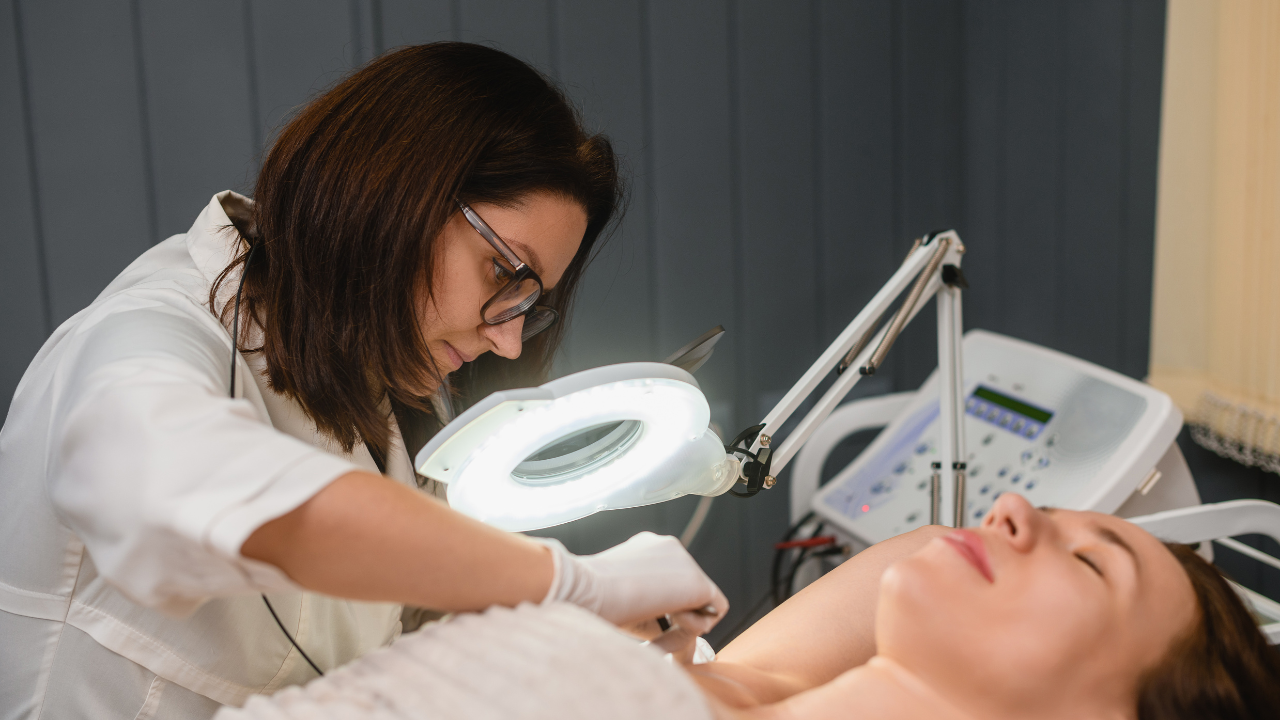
x=1036, y=613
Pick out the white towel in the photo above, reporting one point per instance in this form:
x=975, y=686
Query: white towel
x=536, y=662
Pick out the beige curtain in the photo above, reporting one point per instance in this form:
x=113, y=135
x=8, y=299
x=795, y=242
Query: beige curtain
x=1215, y=341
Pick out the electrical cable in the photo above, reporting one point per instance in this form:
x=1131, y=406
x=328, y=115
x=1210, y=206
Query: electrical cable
x=235, y=347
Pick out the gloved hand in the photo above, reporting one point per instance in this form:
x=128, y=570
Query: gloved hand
x=641, y=579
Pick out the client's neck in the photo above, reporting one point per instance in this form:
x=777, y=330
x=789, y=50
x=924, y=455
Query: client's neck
x=880, y=690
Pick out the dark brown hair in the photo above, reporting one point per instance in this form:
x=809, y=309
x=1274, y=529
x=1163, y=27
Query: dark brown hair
x=349, y=203
x=1223, y=668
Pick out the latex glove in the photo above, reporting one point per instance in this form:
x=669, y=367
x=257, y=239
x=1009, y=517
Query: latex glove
x=643, y=578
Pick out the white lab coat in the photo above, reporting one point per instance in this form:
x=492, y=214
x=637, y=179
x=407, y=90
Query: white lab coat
x=128, y=482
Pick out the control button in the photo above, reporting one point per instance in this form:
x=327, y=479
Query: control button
x=1031, y=430
x=992, y=414
x=1016, y=479
x=981, y=409
x=970, y=404
x=1026, y=456
x=1042, y=462
x=985, y=489
x=901, y=468
x=996, y=496
x=922, y=485
x=878, y=488
x=913, y=517
x=1003, y=471
x=1031, y=484
x=922, y=448
x=987, y=440
x=975, y=471
x=978, y=515
x=1017, y=424
x=1005, y=419
x=1052, y=440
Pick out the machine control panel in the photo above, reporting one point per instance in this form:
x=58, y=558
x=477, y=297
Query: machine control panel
x=1055, y=429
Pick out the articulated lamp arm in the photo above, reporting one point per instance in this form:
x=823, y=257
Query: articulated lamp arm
x=932, y=268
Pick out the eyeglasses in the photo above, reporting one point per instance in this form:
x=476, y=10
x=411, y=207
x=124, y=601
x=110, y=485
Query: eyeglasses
x=522, y=289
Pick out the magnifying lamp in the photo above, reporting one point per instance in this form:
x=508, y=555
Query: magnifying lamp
x=634, y=434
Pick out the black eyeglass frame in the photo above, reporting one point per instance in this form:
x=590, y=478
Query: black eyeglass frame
x=521, y=272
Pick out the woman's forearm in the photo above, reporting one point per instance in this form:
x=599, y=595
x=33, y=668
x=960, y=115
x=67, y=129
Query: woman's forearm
x=367, y=537
x=828, y=627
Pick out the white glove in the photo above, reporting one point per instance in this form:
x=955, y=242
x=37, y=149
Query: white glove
x=645, y=577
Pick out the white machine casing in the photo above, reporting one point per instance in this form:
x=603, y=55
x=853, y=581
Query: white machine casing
x=1058, y=430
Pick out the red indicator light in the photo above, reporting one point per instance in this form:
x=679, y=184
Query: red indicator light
x=866, y=508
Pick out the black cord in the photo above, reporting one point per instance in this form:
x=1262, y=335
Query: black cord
x=293, y=642
x=235, y=347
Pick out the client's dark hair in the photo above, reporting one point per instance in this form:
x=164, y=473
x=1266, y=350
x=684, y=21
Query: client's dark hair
x=350, y=202
x=1223, y=668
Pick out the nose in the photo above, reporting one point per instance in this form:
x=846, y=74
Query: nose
x=505, y=338
x=1016, y=521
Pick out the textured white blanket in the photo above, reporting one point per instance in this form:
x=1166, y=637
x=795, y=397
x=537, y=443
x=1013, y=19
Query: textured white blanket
x=553, y=662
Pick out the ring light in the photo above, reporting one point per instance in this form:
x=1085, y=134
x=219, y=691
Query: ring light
x=612, y=437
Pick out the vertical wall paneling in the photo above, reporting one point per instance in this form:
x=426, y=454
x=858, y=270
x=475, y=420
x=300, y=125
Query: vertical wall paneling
x=859, y=241
x=985, y=179
x=601, y=63
x=89, y=146
x=411, y=22
x=694, y=248
x=1144, y=70
x=299, y=49
x=1029, y=282
x=778, y=243
x=1089, y=253
x=200, y=112
x=930, y=134
x=25, y=321
x=520, y=28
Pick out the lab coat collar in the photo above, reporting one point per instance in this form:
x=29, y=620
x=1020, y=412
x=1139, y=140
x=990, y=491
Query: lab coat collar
x=215, y=239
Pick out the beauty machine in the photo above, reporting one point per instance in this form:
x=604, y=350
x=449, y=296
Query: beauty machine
x=1060, y=431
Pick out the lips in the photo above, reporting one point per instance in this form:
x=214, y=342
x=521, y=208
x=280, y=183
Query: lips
x=455, y=357
x=970, y=547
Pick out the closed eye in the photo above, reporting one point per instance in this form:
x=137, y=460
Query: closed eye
x=1090, y=563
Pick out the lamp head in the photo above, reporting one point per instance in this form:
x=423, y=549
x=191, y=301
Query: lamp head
x=611, y=437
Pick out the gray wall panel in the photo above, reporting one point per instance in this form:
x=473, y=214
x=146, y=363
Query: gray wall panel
x=409, y=22
x=1143, y=61
x=693, y=176
x=779, y=245
x=603, y=66
x=24, y=322
x=299, y=48
x=1093, y=197
x=1033, y=69
x=199, y=106
x=855, y=98
x=89, y=146
x=523, y=29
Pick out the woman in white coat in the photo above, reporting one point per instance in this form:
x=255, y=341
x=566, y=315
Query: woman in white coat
x=428, y=217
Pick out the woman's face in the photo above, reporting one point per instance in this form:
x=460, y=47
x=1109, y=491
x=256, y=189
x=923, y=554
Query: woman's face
x=1036, y=613
x=543, y=229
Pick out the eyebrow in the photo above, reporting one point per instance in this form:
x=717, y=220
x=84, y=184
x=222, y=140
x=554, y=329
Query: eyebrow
x=534, y=261
x=1114, y=538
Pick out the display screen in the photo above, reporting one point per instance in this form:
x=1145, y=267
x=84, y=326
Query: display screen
x=1008, y=403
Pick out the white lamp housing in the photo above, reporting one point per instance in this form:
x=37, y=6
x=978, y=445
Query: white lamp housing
x=612, y=437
